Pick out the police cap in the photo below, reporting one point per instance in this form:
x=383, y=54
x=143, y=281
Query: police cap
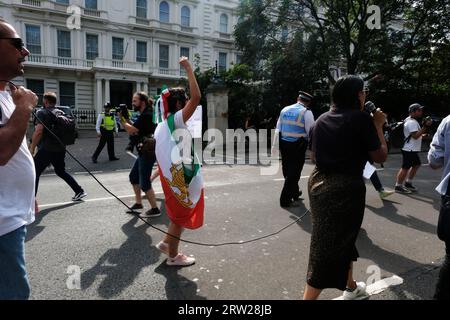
x=305, y=96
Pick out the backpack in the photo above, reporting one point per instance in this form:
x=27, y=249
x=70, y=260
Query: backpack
x=64, y=127
x=397, y=136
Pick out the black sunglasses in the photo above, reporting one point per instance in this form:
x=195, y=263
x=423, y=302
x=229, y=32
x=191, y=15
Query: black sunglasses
x=16, y=42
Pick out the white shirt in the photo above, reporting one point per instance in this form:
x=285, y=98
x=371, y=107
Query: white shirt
x=17, y=179
x=411, y=125
x=439, y=154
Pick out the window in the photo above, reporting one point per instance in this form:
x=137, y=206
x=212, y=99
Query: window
x=117, y=53
x=37, y=86
x=67, y=94
x=184, y=52
x=141, y=9
x=185, y=16
x=91, y=4
x=33, y=34
x=141, y=51
x=223, y=23
x=163, y=56
x=238, y=58
x=164, y=12
x=284, y=33
x=91, y=46
x=63, y=1
x=222, y=61
x=64, y=46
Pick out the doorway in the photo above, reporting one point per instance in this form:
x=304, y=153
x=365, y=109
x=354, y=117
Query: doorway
x=121, y=93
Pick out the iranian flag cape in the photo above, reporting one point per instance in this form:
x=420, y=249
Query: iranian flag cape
x=182, y=184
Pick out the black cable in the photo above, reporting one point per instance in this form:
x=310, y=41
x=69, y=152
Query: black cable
x=145, y=221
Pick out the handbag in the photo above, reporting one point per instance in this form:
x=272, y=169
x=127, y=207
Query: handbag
x=147, y=148
x=443, y=228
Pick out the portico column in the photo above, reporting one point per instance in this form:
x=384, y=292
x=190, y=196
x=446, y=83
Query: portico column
x=146, y=88
x=107, y=91
x=99, y=100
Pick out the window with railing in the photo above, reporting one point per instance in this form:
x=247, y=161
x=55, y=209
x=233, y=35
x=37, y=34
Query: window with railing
x=163, y=56
x=164, y=12
x=37, y=86
x=185, y=16
x=91, y=4
x=67, y=94
x=222, y=61
x=64, y=45
x=141, y=9
x=141, y=51
x=91, y=46
x=33, y=38
x=117, y=47
x=223, y=23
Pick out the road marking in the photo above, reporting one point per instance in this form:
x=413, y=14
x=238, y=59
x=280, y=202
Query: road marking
x=380, y=286
x=89, y=200
x=282, y=179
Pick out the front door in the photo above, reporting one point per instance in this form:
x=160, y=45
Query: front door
x=121, y=93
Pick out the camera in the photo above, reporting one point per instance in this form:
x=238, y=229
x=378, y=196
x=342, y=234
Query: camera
x=123, y=109
x=425, y=120
x=370, y=107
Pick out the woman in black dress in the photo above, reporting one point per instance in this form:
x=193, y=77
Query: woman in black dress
x=343, y=140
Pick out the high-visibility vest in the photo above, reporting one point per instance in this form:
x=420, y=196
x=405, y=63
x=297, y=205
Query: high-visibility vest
x=292, y=123
x=108, y=122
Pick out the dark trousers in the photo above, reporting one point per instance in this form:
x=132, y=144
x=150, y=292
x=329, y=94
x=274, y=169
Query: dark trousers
x=376, y=182
x=293, y=160
x=106, y=138
x=443, y=284
x=57, y=159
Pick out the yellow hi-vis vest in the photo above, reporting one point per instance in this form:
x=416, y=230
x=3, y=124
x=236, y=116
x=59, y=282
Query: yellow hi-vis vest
x=108, y=122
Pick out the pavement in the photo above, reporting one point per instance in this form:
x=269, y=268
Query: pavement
x=93, y=250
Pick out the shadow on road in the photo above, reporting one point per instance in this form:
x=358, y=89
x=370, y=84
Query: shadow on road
x=178, y=287
x=121, y=266
x=390, y=212
x=35, y=229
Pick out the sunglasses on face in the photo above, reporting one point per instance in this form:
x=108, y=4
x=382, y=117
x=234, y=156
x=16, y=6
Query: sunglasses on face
x=16, y=43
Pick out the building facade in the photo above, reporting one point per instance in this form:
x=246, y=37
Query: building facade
x=93, y=51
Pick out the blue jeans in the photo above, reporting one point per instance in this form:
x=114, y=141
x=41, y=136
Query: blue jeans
x=14, y=283
x=141, y=172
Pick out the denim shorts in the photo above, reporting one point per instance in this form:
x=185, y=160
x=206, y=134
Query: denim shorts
x=14, y=283
x=141, y=172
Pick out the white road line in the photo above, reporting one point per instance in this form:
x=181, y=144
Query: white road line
x=380, y=286
x=282, y=179
x=89, y=200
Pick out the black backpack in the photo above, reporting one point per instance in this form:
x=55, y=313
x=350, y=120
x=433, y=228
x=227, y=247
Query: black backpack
x=64, y=127
x=397, y=136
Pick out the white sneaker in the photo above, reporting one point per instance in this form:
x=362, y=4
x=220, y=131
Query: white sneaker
x=180, y=260
x=358, y=294
x=163, y=247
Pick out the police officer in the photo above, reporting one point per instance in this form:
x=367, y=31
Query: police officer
x=106, y=126
x=293, y=126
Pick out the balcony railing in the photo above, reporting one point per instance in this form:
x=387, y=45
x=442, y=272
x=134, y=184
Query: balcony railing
x=52, y=5
x=99, y=63
x=32, y=3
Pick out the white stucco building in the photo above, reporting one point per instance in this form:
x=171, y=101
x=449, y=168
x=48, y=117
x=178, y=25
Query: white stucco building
x=119, y=46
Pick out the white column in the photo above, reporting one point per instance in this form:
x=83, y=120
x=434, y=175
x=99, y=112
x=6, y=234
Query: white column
x=146, y=87
x=99, y=100
x=107, y=91
x=138, y=87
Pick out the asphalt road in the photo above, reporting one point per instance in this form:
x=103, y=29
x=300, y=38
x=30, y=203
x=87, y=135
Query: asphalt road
x=115, y=254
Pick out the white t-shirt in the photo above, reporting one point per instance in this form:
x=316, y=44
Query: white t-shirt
x=411, y=125
x=17, y=179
